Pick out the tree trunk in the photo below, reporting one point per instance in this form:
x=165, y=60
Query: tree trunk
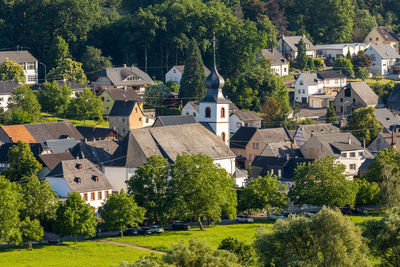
x=201, y=225
x=122, y=233
x=76, y=238
x=30, y=244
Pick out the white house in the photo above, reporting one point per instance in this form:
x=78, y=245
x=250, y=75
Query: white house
x=383, y=58
x=26, y=60
x=318, y=88
x=176, y=72
x=279, y=65
x=80, y=176
x=334, y=51
x=288, y=46
x=6, y=88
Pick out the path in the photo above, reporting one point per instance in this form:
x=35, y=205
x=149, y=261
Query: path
x=130, y=245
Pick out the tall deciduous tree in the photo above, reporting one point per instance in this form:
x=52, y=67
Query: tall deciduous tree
x=331, y=116
x=93, y=61
x=264, y=193
x=11, y=71
x=69, y=70
x=384, y=237
x=23, y=106
x=75, y=217
x=323, y=182
x=364, y=125
x=202, y=190
x=368, y=193
x=271, y=111
x=155, y=94
x=344, y=65
x=149, y=185
x=193, y=77
x=53, y=98
x=327, y=239
x=121, y=211
x=31, y=230
x=86, y=106
x=58, y=52
x=10, y=204
x=22, y=162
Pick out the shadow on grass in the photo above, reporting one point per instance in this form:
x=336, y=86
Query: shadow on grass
x=35, y=247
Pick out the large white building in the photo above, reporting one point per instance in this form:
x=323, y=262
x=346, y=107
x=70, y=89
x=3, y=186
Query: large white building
x=383, y=58
x=26, y=60
x=334, y=51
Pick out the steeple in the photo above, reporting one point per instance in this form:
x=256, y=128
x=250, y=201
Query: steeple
x=214, y=82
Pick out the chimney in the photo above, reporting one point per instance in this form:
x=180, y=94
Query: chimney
x=349, y=139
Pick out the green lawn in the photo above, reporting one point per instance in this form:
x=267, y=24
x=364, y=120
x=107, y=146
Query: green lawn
x=88, y=253
x=51, y=118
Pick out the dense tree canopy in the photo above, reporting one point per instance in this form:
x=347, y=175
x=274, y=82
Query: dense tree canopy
x=86, y=106
x=69, y=70
x=11, y=71
x=54, y=98
x=23, y=106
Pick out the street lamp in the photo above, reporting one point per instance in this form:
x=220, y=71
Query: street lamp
x=45, y=73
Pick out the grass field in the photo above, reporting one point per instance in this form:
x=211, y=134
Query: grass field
x=88, y=253
x=51, y=118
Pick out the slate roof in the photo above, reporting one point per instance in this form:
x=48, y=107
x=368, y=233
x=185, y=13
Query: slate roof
x=69, y=170
x=96, y=133
x=175, y=120
x=52, y=160
x=312, y=113
x=123, y=94
x=181, y=69
x=385, y=51
x=242, y=136
x=393, y=100
x=293, y=41
x=274, y=135
x=247, y=115
x=117, y=76
x=61, y=145
x=281, y=149
x=311, y=78
x=21, y=56
x=364, y=92
x=386, y=33
x=6, y=87
x=122, y=108
x=386, y=118
x=274, y=57
x=330, y=74
x=36, y=149
x=168, y=141
x=96, y=152
x=318, y=129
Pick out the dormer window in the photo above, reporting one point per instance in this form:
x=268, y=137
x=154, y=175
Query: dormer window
x=133, y=78
x=208, y=112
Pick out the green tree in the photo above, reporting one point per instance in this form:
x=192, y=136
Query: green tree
x=264, y=193
x=22, y=162
x=244, y=252
x=368, y=193
x=192, y=82
x=75, y=217
x=68, y=70
x=331, y=116
x=361, y=60
x=201, y=190
x=31, y=230
x=364, y=125
x=58, y=52
x=121, y=211
x=11, y=71
x=323, y=182
x=281, y=95
x=150, y=187
x=271, y=111
x=384, y=237
x=53, y=98
x=40, y=200
x=363, y=24
x=198, y=253
x=326, y=239
x=85, y=106
x=23, y=106
x=155, y=94
x=362, y=73
x=344, y=65
x=302, y=58
x=93, y=61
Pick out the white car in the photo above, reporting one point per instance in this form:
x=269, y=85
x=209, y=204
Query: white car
x=156, y=229
x=243, y=219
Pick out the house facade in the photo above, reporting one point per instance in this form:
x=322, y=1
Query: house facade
x=125, y=115
x=26, y=60
x=240, y=118
x=279, y=65
x=288, y=46
x=305, y=132
x=382, y=35
x=334, y=51
x=383, y=57
x=6, y=88
x=176, y=72
x=318, y=89
x=110, y=95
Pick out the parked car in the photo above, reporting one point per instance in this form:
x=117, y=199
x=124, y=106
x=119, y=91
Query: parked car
x=180, y=226
x=156, y=229
x=145, y=231
x=346, y=210
x=286, y=214
x=275, y=216
x=131, y=231
x=244, y=219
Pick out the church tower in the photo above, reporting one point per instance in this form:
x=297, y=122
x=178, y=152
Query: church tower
x=214, y=108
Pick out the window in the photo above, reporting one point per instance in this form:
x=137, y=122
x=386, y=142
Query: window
x=250, y=157
x=352, y=154
x=370, y=39
x=344, y=155
x=279, y=173
x=147, y=120
x=123, y=120
x=223, y=136
x=301, y=83
x=255, y=145
x=284, y=69
x=107, y=193
x=140, y=118
x=341, y=99
x=136, y=110
x=108, y=99
x=299, y=91
x=99, y=195
x=222, y=112
x=30, y=66
x=187, y=113
x=304, y=91
x=353, y=166
x=85, y=196
x=208, y=112
x=123, y=130
x=238, y=124
x=1, y=99
x=336, y=81
x=116, y=119
x=31, y=78
x=377, y=38
x=354, y=100
x=194, y=114
x=92, y=196
x=102, y=98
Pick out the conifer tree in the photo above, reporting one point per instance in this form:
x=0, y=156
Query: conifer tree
x=301, y=59
x=331, y=116
x=192, y=83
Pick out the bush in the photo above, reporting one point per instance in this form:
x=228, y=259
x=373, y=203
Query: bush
x=318, y=63
x=244, y=252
